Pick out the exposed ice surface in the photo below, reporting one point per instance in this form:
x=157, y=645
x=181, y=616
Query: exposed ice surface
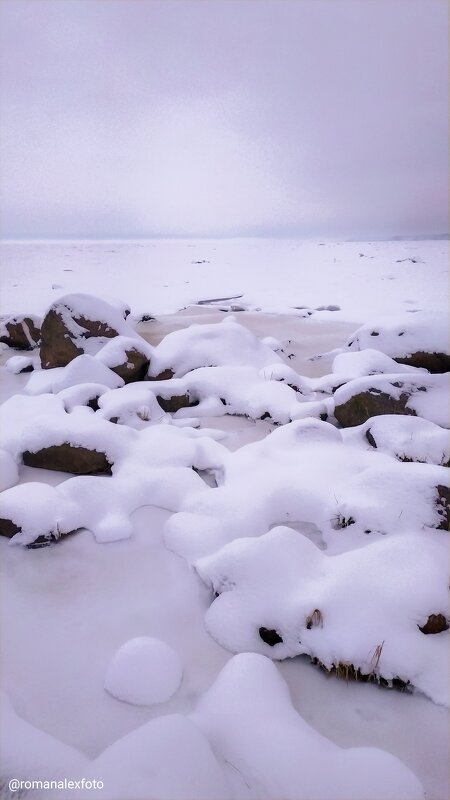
x=362, y=546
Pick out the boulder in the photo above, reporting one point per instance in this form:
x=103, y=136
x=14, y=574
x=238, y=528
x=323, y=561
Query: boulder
x=443, y=504
x=418, y=393
x=8, y=528
x=20, y=332
x=134, y=368
x=174, y=402
x=165, y=375
x=433, y=362
x=128, y=358
x=417, y=340
x=69, y=458
x=369, y=403
x=436, y=623
x=72, y=321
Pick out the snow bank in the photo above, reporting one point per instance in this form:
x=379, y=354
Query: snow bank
x=144, y=671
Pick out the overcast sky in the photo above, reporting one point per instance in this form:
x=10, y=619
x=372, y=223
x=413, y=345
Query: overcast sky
x=223, y=117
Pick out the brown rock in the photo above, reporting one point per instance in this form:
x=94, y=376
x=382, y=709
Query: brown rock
x=443, y=502
x=361, y=407
x=135, y=368
x=433, y=362
x=8, y=528
x=166, y=375
x=436, y=623
x=69, y=458
x=21, y=333
x=177, y=401
x=59, y=344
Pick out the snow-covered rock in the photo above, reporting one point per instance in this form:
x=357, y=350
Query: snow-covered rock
x=419, y=340
x=405, y=437
x=418, y=394
x=304, y=473
x=82, y=369
x=21, y=332
x=362, y=608
x=126, y=357
x=78, y=323
x=220, y=344
x=19, y=364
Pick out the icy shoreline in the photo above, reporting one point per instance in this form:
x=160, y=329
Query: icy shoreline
x=165, y=599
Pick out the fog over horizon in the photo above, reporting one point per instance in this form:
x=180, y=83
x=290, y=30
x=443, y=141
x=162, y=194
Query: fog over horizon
x=223, y=118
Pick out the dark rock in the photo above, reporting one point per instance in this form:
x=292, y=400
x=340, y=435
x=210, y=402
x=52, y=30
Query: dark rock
x=433, y=362
x=145, y=318
x=135, y=368
x=436, y=623
x=177, y=401
x=360, y=407
x=166, y=375
x=21, y=333
x=69, y=458
x=443, y=503
x=93, y=402
x=57, y=346
x=60, y=342
x=370, y=438
x=8, y=528
x=270, y=636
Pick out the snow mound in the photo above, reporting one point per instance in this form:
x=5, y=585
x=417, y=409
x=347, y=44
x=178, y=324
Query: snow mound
x=239, y=390
x=82, y=369
x=220, y=344
x=405, y=437
x=246, y=741
x=157, y=466
x=18, y=364
x=304, y=473
x=82, y=394
x=134, y=405
x=403, y=336
x=144, y=671
x=114, y=351
x=280, y=596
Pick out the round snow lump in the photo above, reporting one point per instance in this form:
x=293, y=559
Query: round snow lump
x=144, y=671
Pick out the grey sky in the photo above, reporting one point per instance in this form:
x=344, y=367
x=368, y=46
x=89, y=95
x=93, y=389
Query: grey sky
x=223, y=117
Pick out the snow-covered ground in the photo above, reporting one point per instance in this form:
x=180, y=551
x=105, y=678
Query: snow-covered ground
x=364, y=279
x=68, y=610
